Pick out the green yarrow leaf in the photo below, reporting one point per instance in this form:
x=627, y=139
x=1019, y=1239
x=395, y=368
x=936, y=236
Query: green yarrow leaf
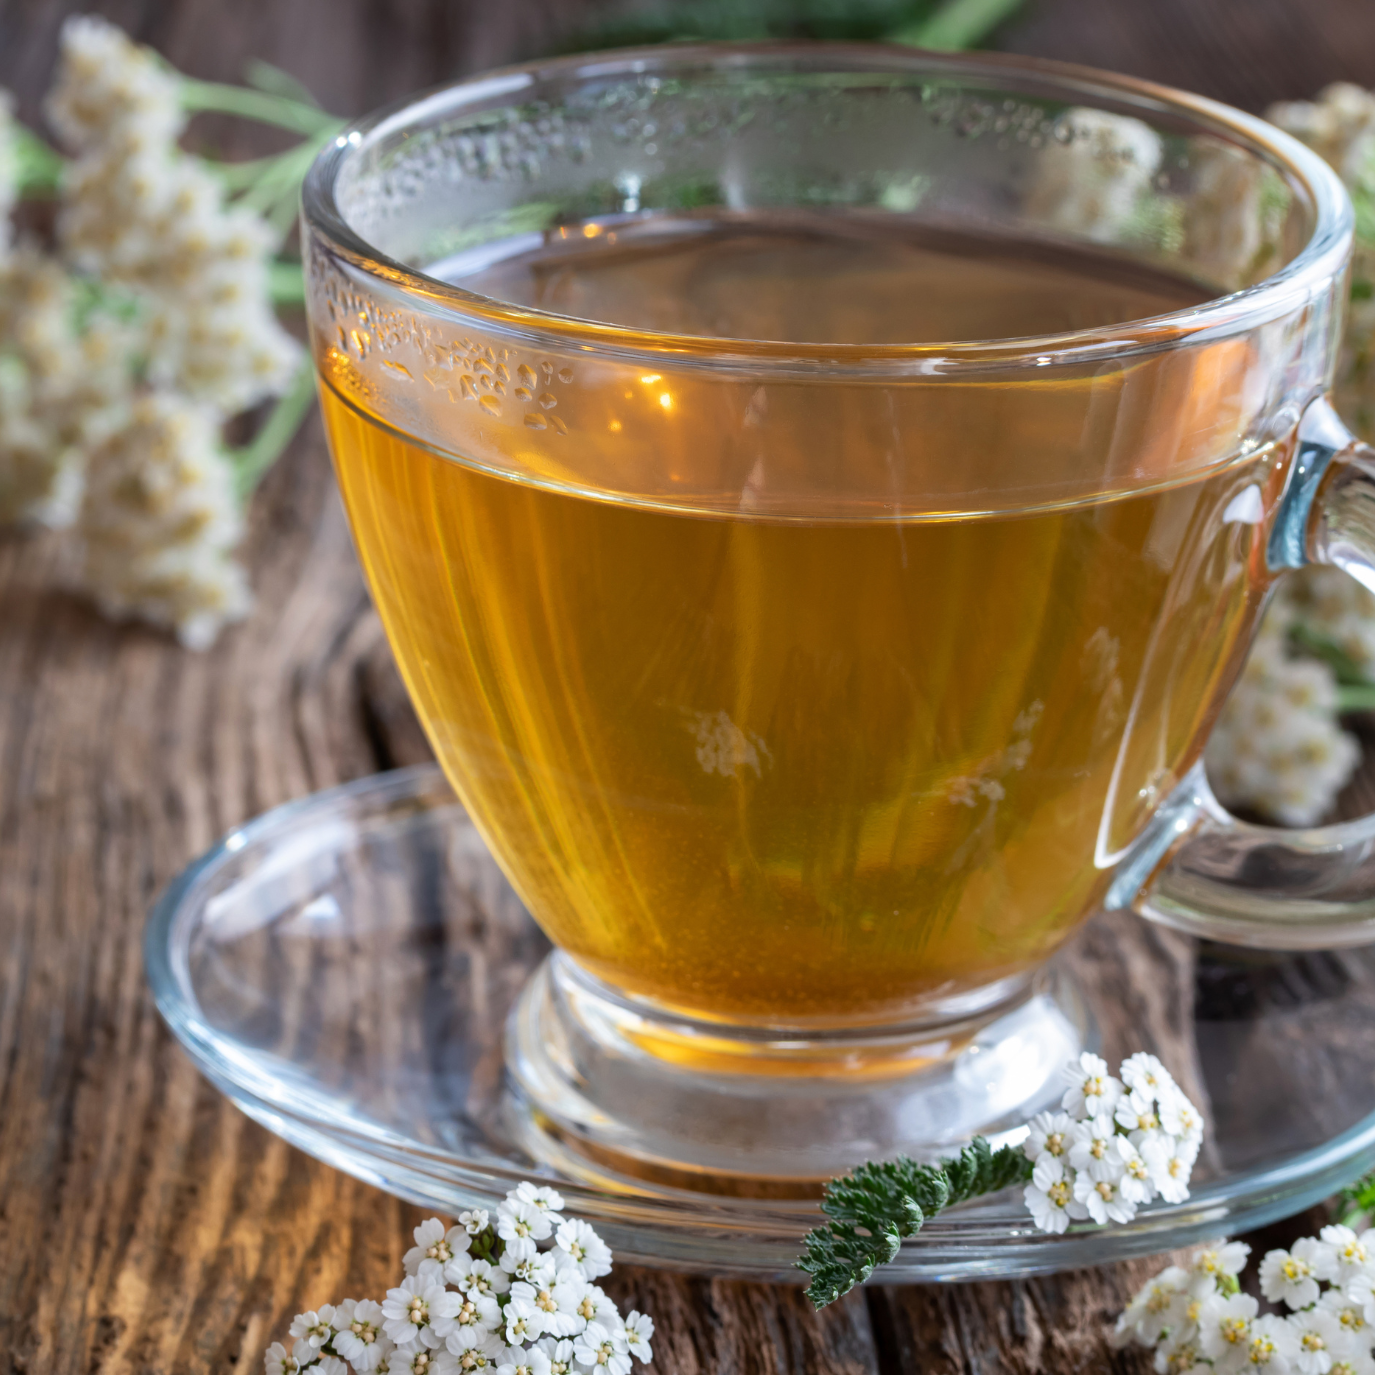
x=874, y=1207
x=1360, y=1200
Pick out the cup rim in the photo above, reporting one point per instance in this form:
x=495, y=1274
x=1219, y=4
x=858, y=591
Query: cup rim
x=1323, y=257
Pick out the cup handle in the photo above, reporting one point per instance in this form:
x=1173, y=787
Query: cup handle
x=1196, y=867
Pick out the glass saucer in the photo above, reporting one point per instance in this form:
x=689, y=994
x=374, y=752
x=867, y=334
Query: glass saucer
x=343, y=967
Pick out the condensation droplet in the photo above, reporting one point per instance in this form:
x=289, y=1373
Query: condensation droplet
x=535, y=421
x=565, y=374
x=465, y=386
x=557, y=425
x=549, y=401
x=526, y=375
x=522, y=393
x=491, y=405
x=399, y=368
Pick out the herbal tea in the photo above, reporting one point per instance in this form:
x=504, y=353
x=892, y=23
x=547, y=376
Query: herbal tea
x=823, y=770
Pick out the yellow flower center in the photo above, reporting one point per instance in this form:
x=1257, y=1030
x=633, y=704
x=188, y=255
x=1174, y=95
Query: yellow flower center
x=1234, y=1330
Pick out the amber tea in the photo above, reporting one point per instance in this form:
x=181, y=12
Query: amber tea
x=826, y=767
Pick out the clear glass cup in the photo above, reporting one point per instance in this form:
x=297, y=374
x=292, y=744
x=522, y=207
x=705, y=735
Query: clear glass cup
x=812, y=689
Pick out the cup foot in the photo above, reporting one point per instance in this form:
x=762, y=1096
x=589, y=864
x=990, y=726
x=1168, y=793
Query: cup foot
x=597, y=1084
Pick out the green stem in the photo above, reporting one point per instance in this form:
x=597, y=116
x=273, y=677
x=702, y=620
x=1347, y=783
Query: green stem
x=265, y=107
x=1356, y=697
x=957, y=24
x=40, y=164
x=286, y=282
x=254, y=459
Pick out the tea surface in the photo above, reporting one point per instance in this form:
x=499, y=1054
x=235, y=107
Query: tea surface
x=807, y=771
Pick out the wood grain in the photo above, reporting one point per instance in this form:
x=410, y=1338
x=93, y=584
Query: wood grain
x=144, y=1224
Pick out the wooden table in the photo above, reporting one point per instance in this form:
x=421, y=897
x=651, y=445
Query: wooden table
x=144, y=1224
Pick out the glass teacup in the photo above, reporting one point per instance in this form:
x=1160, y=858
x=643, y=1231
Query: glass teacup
x=820, y=498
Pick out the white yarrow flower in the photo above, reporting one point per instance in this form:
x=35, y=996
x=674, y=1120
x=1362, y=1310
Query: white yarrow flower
x=595, y=1348
x=137, y=211
x=1152, y=1308
x=1144, y=1074
x=1221, y=1260
x=523, y=1321
x=559, y=1353
x=1135, y=1183
x=520, y=1225
x=1343, y=1256
x=434, y=1242
x=1092, y=174
x=1091, y=1088
x=556, y=1303
x=1171, y=1162
x=582, y=1249
x=279, y=1361
x=415, y=1359
x=537, y=1268
x=637, y=1332
x=542, y=1197
x=315, y=1327
x=420, y=1310
x=1051, y=1195
x=595, y=1307
x=1361, y=1292
x=531, y=1361
x=1092, y=1150
x=1225, y=1325
x=1277, y=748
x=104, y=83
x=1181, y=1356
x=1104, y=1200
x=1135, y=1113
x=474, y=1350
x=532, y=1315
x=1051, y=1133
x=1290, y=1276
x=1350, y=1316
x=1274, y=1346
x=474, y=1221
x=469, y=1275
x=1179, y=1118
x=63, y=391
x=1320, y=1340
x=159, y=521
x=358, y=1333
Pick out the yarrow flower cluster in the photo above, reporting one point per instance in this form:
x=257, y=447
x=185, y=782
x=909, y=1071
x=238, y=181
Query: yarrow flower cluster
x=511, y=1295
x=124, y=352
x=1117, y=1143
x=1278, y=747
x=1195, y=1318
x=1340, y=127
